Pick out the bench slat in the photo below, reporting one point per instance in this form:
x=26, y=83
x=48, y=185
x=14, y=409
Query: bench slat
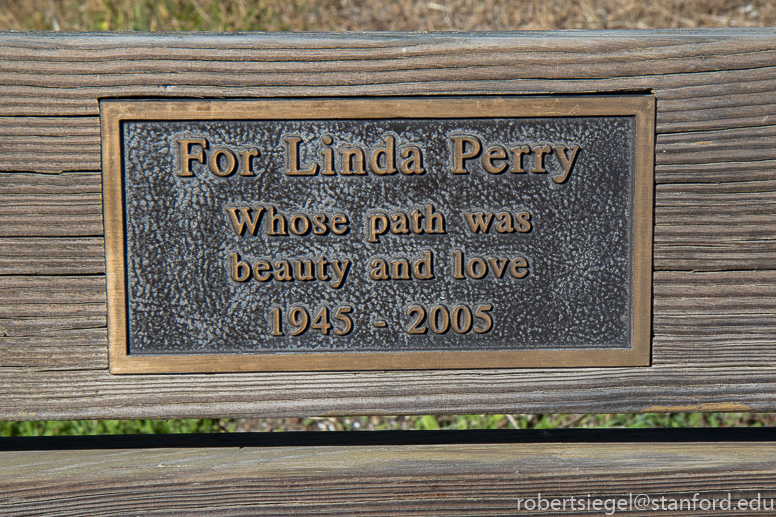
x=431, y=479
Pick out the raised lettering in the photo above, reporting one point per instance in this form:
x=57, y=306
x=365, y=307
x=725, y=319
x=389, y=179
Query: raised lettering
x=524, y=222
x=435, y=223
x=327, y=153
x=341, y=271
x=423, y=269
x=320, y=268
x=519, y=268
x=458, y=265
x=416, y=217
x=339, y=224
x=479, y=222
x=215, y=160
x=385, y=154
x=379, y=270
x=420, y=268
x=277, y=223
x=493, y=154
x=240, y=271
x=283, y=271
x=517, y=164
x=246, y=160
x=319, y=224
x=304, y=270
x=352, y=160
x=413, y=160
x=400, y=269
x=378, y=225
x=539, y=164
x=246, y=221
x=292, y=158
x=504, y=223
x=299, y=224
x=460, y=154
x=565, y=162
x=186, y=156
x=400, y=223
x=260, y=268
x=498, y=265
x=476, y=268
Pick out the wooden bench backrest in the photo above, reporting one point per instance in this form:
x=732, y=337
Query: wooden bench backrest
x=715, y=174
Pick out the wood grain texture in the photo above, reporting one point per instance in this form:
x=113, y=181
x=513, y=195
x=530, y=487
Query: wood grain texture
x=37, y=205
x=715, y=225
x=48, y=394
x=49, y=144
x=444, y=479
x=52, y=256
x=37, y=305
x=65, y=78
x=714, y=238
x=82, y=349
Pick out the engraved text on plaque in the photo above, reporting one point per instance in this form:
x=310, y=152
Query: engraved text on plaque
x=378, y=233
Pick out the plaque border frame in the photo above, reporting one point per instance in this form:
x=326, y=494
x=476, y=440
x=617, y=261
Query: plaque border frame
x=114, y=112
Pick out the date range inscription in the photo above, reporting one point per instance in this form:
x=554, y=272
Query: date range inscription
x=358, y=234
x=439, y=319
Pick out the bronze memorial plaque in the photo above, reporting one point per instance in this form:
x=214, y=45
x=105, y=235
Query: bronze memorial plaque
x=378, y=233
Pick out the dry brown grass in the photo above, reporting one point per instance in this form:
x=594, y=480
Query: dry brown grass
x=379, y=15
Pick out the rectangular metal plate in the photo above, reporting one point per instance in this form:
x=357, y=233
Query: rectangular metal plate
x=350, y=234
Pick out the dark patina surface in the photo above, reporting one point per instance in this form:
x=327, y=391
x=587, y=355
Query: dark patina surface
x=577, y=294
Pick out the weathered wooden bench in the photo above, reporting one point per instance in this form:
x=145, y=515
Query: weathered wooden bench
x=712, y=318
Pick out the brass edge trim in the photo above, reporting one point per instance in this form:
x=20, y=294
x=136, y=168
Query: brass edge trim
x=113, y=220
x=334, y=361
x=436, y=107
x=644, y=218
x=113, y=112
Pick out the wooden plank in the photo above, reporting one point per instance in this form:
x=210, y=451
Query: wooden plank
x=36, y=305
x=38, y=101
x=704, y=319
x=715, y=172
x=82, y=394
x=714, y=247
x=52, y=256
x=49, y=144
x=65, y=350
x=385, y=479
x=29, y=290
x=64, y=76
x=85, y=184
x=37, y=205
x=712, y=226
x=729, y=145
